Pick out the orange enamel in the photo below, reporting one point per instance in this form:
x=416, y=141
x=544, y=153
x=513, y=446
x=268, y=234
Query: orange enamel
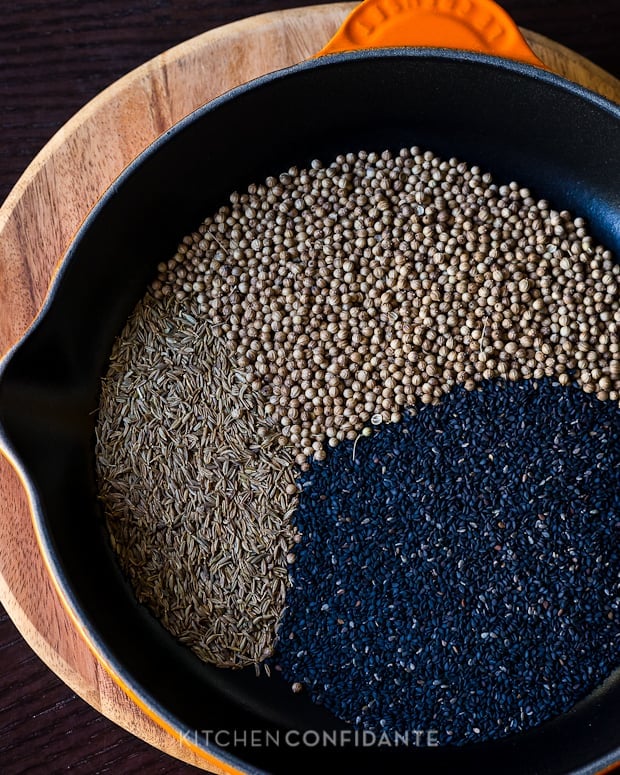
x=470, y=25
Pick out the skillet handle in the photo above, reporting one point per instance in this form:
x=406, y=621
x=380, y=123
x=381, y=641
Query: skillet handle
x=472, y=25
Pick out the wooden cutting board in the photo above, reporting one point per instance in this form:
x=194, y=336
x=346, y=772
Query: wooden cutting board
x=37, y=222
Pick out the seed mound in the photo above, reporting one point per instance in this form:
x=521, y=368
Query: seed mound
x=351, y=290
x=367, y=416
x=460, y=570
x=197, y=491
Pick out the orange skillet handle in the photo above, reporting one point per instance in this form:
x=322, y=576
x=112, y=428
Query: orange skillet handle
x=472, y=25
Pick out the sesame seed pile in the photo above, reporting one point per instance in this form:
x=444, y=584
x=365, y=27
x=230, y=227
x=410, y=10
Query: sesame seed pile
x=460, y=570
x=352, y=289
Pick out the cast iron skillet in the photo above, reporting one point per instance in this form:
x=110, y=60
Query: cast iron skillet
x=515, y=120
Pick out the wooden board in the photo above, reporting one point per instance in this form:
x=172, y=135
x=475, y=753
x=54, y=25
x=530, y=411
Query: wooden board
x=44, y=210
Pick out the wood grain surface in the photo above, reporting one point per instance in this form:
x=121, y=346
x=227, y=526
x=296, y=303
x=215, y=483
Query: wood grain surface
x=44, y=726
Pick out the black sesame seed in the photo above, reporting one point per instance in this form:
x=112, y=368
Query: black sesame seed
x=461, y=571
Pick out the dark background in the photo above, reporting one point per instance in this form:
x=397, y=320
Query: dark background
x=56, y=55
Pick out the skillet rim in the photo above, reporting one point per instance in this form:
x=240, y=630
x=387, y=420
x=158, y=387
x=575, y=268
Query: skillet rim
x=80, y=616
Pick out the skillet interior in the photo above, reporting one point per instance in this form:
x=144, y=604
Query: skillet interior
x=517, y=122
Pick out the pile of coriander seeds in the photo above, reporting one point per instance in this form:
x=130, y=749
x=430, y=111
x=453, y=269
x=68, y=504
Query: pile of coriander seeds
x=351, y=290
x=336, y=300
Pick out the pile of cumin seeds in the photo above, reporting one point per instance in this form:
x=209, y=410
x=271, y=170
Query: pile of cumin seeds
x=196, y=487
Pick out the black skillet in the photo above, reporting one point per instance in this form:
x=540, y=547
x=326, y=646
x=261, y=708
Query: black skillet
x=515, y=119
